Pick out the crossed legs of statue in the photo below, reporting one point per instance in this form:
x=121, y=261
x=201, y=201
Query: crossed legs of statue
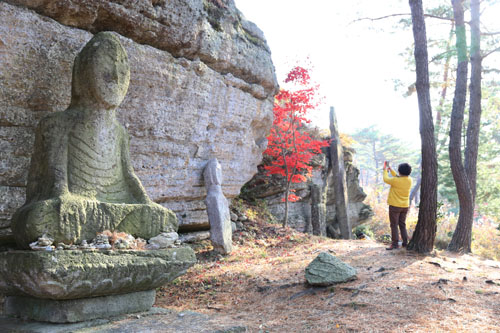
x=71, y=221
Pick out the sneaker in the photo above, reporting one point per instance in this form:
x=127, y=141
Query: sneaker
x=404, y=244
x=392, y=247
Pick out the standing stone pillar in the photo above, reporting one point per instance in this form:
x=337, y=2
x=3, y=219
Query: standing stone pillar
x=318, y=211
x=217, y=208
x=339, y=178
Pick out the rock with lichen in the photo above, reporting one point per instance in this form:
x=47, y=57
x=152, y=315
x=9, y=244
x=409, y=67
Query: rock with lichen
x=326, y=270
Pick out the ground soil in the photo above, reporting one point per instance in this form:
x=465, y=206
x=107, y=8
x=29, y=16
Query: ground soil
x=261, y=286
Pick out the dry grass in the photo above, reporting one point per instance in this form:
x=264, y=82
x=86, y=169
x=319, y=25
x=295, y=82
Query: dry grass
x=261, y=285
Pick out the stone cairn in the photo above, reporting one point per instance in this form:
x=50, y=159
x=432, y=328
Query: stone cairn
x=217, y=208
x=84, y=197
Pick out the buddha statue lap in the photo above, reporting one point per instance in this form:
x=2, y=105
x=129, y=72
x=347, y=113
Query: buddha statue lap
x=81, y=180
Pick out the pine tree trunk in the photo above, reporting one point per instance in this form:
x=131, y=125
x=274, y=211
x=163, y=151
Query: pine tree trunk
x=474, y=124
x=462, y=237
x=425, y=231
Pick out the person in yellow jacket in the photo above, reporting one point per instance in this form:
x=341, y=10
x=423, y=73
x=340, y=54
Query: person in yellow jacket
x=399, y=201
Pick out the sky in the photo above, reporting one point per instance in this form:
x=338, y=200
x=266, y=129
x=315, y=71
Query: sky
x=355, y=63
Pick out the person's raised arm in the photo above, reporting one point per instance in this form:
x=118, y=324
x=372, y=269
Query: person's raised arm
x=387, y=179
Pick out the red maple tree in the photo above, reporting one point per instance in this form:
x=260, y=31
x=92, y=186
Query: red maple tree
x=289, y=145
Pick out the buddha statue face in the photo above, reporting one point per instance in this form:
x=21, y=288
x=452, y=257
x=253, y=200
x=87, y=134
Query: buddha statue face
x=101, y=73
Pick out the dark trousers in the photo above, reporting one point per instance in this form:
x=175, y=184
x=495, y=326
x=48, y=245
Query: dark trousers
x=397, y=216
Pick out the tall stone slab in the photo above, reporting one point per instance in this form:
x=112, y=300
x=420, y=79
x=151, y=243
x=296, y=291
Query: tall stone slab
x=339, y=178
x=217, y=208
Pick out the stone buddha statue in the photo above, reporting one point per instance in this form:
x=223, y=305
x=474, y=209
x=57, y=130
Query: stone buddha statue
x=81, y=180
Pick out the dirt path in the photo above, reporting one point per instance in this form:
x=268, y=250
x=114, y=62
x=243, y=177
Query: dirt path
x=261, y=285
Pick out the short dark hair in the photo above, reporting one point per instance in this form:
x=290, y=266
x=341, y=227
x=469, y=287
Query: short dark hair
x=404, y=169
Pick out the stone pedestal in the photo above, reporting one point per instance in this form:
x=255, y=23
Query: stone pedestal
x=76, y=310
x=72, y=286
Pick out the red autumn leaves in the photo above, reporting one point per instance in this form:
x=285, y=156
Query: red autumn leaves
x=289, y=144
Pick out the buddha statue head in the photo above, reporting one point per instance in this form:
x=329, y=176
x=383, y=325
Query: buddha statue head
x=101, y=73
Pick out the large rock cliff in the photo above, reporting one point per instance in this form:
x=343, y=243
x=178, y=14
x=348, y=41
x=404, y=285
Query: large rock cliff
x=272, y=189
x=202, y=86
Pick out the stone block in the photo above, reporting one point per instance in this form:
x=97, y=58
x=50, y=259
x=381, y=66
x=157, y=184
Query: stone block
x=326, y=270
x=77, y=310
x=62, y=275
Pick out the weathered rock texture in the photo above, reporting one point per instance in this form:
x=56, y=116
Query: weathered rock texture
x=310, y=205
x=318, y=211
x=201, y=86
x=217, y=208
x=326, y=270
x=78, y=310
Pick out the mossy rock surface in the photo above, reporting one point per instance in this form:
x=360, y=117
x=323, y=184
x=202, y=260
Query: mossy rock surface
x=83, y=274
x=326, y=270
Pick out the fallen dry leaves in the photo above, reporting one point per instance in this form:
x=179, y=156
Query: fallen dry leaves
x=261, y=285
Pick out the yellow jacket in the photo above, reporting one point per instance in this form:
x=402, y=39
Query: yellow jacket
x=399, y=194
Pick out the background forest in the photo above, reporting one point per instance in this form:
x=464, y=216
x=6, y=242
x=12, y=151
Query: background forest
x=373, y=146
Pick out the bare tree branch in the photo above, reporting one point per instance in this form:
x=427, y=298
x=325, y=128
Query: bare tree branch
x=402, y=14
x=379, y=18
x=436, y=57
x=490, y=33
x=490, y=52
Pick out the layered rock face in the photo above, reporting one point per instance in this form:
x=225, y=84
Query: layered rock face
x=201, y=86
x=271, y=189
